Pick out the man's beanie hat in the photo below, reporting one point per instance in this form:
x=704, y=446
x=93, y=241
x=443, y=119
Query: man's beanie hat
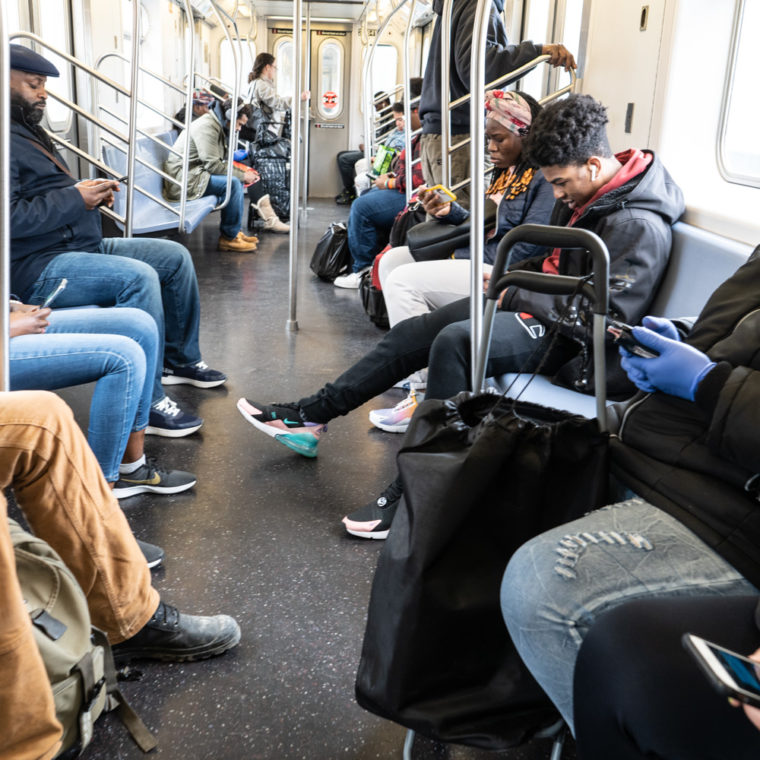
x=27, y=60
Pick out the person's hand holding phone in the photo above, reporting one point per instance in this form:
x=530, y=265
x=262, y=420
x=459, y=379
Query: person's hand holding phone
x=250, y=177
x=29, y=322
x=97, y=192
x=752, y=713
x=433, y=203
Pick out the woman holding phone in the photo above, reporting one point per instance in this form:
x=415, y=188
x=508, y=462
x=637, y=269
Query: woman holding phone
x=117, y=350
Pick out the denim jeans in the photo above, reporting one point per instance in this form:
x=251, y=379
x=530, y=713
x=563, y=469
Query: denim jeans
x=370, y=220
x=558, y=583
x=115, y=349
x=232, y=213
x=151, y=274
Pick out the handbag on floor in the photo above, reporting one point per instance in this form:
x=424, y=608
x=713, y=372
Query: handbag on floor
x=372, y=296
x=332, y=256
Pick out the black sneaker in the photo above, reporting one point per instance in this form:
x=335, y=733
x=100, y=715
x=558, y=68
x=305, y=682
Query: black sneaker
x=168, y=420
x=198, y=374
x=154, y=555
x=345, y=198
x=374, y=520
x=149, y=478
x=172, y=636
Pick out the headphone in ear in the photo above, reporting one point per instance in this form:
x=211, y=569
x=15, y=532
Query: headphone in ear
x=228, y=114
x=593, y=173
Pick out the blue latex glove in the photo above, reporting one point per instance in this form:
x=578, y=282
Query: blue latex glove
x=240, y=155
x=662, y=327
x=677, y=371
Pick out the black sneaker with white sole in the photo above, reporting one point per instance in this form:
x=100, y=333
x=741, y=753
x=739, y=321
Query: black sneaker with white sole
x=149, y=478
x=168, y=420
x=154, y=555
x=199, y=374
x=374, y=520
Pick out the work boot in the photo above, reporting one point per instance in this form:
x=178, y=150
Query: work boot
x=271, y=220
x=247, y=238
x=235, y=244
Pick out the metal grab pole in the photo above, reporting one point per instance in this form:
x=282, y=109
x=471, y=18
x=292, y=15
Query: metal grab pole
x=295, y=104
x=5, y=191
x=306, y=133
x=408, y=106
x=445, y=22
x=190, y=53
x=477, y=181
x=132, y=128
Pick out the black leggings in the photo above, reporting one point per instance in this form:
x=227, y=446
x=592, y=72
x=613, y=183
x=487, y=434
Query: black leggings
x=638, y=693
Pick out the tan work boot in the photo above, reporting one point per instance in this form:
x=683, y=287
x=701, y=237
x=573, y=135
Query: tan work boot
x=235, y=244
x=271, y=220
x=248, y=238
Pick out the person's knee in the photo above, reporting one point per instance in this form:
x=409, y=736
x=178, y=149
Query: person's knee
x=41, y=408
x=525, y=581
x=451, y=344
x=125, y=355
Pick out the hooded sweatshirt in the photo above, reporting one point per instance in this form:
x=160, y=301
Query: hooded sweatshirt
x=501, y=58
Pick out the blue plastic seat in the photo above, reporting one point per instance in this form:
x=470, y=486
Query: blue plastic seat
x=149, y=216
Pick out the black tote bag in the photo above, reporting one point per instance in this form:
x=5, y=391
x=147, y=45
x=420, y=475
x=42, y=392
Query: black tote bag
x=481, y=476
x=332, y=256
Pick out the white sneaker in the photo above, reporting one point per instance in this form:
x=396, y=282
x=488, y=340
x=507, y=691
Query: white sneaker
x=395, y=420
x=352, y=280
x=416, y=381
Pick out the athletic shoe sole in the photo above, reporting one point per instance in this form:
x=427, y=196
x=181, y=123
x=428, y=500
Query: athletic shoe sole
x=169, y=655
x=172, y=432
x=367, y=533
x=304, y=444
x=399, y=427
x=177, y=380
x=123, y=493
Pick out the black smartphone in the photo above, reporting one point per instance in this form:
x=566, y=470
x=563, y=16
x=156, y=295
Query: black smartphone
x=622, y=335
x=730, y=673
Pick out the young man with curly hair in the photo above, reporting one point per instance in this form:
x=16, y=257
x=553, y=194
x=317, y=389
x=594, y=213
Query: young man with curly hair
x=628, y=199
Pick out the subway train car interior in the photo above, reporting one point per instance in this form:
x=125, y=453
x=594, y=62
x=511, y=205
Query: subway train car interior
x=503, y=250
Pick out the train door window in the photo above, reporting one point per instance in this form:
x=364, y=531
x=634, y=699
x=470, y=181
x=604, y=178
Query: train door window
x=330, y=62
x=227, y=62
x=738, y=152
x=13, y=17
x=283, y=60
x=54, y=29
x=537, y=27
x=384, y=68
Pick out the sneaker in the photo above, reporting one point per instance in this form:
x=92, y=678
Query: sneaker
x=168, y=420
x=352, y=280
x=148, y=478
x=284, y=423
x=374, y=520
x=154, y=555
x=197, y=374
x=235, y=244
x=345, y=197
x=171, y=635
x=416, y=381
x=395, y=420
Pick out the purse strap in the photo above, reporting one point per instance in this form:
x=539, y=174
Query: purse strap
x=49, y=155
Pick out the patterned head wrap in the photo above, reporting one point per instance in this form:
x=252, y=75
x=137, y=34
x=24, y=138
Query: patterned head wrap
x=509, y=109
x=202, y=98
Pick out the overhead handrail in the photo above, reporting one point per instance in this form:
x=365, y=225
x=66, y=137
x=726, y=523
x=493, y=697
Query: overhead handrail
x=5, y=207
x=408, y=105
x=295, y=178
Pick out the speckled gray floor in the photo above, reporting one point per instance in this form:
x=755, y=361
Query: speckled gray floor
x=260, y=536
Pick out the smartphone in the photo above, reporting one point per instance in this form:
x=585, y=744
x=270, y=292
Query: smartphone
x=61, y=287
x=444, y=194
x=622, y=335
x=730, y=673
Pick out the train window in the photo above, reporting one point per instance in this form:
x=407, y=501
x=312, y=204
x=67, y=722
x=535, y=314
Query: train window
x=55, y=31
x=13, y=19
x=227, y=62
x=738, y=152
x=330, y=96
x=283, y=55
x=384, y=68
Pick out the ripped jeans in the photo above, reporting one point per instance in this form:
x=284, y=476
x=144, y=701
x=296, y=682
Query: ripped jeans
x=558, y=583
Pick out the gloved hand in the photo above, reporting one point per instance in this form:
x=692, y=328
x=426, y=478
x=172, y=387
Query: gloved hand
x=662, y=327
x=240, y=155
x=677, y=371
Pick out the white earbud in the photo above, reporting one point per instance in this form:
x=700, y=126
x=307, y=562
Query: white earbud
x=593, y=173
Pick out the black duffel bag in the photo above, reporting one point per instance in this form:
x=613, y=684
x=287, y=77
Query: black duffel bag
x=332, y=256
x=481, y=475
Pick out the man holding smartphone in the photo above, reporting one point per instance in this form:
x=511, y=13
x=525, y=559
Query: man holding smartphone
x=56, y=233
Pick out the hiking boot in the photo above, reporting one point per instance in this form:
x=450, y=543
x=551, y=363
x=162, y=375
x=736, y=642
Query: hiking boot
x=285, y=423
x=148, y=478
x=154, y=555
x=235, y=244
x=374, y=520
x=346, y=197
x=395, y=420
x=198, y=374
x=171, y=635
x=168, y=420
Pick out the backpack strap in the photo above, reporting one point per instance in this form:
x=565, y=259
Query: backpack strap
x=49, y=155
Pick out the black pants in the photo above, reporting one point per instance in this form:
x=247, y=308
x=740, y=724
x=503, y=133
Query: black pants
x=440, y=341
x=639, y=694
x=346, y=161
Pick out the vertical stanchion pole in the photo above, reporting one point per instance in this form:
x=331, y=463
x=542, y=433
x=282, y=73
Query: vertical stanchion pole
x=133, y=104
x=477, y=179
x=408, y=105
x=295, y=104
x=306, y=133
x=190, y=86
x=445, y=22
x=5, y=193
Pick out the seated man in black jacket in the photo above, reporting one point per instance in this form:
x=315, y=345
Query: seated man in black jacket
x=688, y=453
x=56, y=233
x=628, y=199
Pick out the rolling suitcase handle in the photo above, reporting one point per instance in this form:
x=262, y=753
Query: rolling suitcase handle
x=596, y=291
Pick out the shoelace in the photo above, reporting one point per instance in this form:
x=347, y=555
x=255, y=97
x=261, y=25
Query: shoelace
x=167, y=406
x=166, y=614
x=152, y=464
x=201, y=365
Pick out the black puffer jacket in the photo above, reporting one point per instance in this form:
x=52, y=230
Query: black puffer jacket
x=700, y=461
x=635, y=222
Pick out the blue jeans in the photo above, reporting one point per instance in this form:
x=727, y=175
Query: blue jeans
x=151, y=274
x=369, y=222
x=558, y=583
x=232, y=213
x=116, y=349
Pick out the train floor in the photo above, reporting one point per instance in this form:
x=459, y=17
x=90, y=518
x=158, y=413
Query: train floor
x=260, y=536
